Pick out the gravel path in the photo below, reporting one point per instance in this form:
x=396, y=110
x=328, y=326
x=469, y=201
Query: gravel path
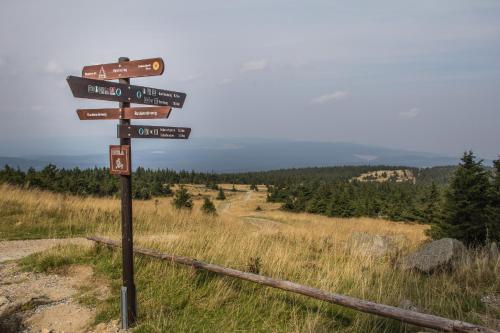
x=35, y=302
x=13, y=250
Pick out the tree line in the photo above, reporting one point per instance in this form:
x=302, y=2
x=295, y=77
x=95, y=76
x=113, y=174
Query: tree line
x=468, y=208
x=462, y=201
x=149, y=183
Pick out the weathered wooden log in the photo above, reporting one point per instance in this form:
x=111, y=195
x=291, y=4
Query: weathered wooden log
x=407, y=316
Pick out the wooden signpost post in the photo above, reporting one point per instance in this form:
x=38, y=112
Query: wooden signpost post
x=92, y=85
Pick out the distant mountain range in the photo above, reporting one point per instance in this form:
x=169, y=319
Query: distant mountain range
x=237, y=155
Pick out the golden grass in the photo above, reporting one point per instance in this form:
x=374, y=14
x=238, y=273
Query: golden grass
x=309, y=249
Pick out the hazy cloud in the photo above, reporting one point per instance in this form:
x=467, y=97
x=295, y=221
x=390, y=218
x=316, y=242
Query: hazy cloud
x=327, y=98
x=254, y=65
x=412, y=113
x=192, y=77
x=226, y=81
x=367, y=158
x=377, y=61
x=53, y=67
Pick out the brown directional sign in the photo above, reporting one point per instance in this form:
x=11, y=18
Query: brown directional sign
x=119, y=160
x=120, y=92
x=153, y=132
x=135, y=68
x=125, y=113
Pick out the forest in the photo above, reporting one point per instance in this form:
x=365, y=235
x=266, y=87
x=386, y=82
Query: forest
x=427, y=197
x=148, y=183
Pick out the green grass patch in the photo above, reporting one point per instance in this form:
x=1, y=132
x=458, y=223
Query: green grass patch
x=174, y=298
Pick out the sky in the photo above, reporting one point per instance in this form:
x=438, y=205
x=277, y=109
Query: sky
x=415, y=75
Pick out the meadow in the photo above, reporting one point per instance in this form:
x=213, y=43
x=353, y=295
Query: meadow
x=305, y=248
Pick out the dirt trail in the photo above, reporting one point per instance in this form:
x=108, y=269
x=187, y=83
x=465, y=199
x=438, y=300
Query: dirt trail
x=32, y=302
x=262, y=222
x=12, y=250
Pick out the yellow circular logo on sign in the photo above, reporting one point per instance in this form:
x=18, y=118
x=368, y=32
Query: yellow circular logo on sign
x=156, y=65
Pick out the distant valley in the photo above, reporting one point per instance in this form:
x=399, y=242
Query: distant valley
x=241, y=155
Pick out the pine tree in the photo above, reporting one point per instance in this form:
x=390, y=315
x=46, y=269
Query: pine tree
x=182, y=199
x=494, y=209
x=466, y=204
x=431, y=206
x=221, y=195
x=208, y=207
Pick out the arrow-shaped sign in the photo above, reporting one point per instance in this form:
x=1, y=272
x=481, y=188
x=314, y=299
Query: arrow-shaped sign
x=125, y=113
x=120, y=92
x=153, y=132
x=121, y=70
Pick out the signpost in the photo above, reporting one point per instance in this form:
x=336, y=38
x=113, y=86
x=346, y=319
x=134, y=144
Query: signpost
x=153, y=132
x=119, y=160
x=92, y=86
x=122, y=70
x=125, y=113
x=124, y=92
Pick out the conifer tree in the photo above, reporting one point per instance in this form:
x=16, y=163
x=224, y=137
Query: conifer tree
x=208, y=207
x=431, y=206
x=182, y=199
x=221, y=195
x=494, y=210
x=466, y=204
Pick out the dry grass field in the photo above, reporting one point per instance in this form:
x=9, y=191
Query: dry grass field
x=308, y=249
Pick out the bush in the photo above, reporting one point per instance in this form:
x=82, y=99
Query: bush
x=208, y=207
x=182, y=199
x=221, y=195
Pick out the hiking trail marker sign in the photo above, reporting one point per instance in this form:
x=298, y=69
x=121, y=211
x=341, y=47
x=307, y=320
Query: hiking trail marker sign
x=122, y=70
x=93, y=85
x=153, y=132
x=119, y=160
x=119, y=92
x=125, y=113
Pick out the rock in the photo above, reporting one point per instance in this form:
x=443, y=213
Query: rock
x=408, y=305
x=374, y=245
x=492, y=300
x=493, y=252
x=3, y=300
x=446, y=253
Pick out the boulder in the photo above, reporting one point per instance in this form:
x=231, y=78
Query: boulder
x=374, y=245
x=446, y=253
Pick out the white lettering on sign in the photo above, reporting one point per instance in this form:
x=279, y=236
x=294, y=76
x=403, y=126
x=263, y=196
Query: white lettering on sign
x=90, y=73
x=120, y=70
x=103, y=90
x=145, y=66
x=96, y=114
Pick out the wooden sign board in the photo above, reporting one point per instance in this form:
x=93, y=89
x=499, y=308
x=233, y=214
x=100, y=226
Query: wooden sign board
x=125, y=113
x=120, y=92
x=135, y=68
x=119, y=160
x=153, y=132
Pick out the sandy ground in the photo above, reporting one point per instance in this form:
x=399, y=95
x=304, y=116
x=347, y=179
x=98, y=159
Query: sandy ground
x=12, y=250
x=46, y=303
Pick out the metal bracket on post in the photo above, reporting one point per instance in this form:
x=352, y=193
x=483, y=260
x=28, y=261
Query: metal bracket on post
x=123, y=308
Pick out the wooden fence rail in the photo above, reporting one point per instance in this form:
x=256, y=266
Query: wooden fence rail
x=408, y=316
